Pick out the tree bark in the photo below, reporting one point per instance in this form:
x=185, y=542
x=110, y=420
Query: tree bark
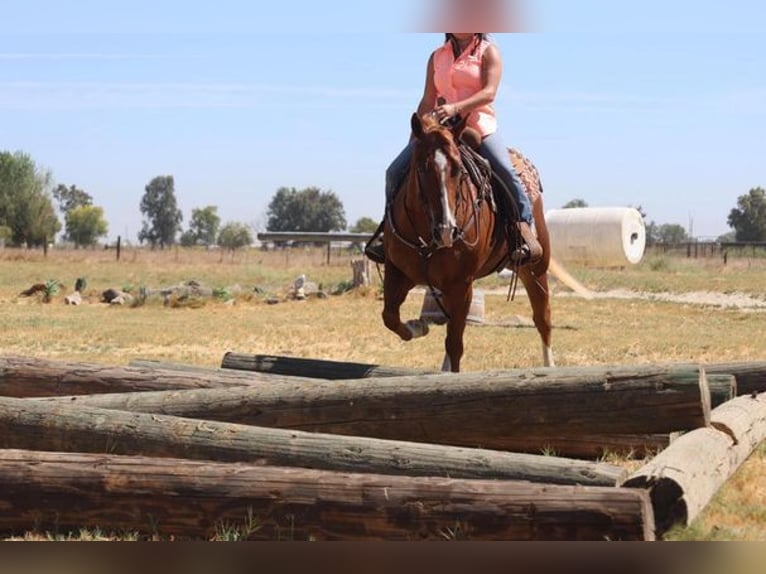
x=200, y=499
x=684, y=478
x=488, y=410
x=751, y=376
x=49, y=426
x=32, y=377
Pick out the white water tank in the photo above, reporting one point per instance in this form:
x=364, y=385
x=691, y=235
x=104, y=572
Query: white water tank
x=598, y=236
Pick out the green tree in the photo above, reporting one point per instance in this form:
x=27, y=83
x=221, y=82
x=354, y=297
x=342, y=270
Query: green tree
x=235, y=235
x=203, y=227
x=671, y=234
x=162, y=218
x=309, y=210
x=575, y=203
x=71, y=197
x=364, y=225
x=748, y=219
x=26, y=206
x=85, y=225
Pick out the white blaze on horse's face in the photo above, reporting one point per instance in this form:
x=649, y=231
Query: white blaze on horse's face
x=448, y=227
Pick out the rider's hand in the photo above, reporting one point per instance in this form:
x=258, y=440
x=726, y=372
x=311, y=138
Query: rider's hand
x=445, y=112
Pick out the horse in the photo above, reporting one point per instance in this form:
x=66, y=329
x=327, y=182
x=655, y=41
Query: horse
x=441, y=231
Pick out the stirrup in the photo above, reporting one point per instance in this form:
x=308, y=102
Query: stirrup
x=374, y=249
x=376, y=252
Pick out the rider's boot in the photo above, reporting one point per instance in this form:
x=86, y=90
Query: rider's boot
x=374, y=248
x=529, y=251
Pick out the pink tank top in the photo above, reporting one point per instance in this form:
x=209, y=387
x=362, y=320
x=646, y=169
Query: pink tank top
x=457, y=79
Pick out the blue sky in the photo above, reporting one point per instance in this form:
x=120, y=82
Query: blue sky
x=661, y=104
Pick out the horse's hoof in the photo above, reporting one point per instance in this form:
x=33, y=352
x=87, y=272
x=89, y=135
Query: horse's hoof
x=418, y=328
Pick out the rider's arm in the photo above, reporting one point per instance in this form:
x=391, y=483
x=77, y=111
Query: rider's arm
x=491, y=72
x=428, y=101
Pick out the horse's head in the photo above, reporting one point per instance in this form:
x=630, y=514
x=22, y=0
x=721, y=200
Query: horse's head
x=439, y=174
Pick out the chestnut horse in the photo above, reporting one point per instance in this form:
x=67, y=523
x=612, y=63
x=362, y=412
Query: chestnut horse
x=440, y=231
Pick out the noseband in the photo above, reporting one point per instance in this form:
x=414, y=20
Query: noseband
x=426, y=249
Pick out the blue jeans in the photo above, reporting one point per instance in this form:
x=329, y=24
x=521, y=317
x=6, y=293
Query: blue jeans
x=492, y=148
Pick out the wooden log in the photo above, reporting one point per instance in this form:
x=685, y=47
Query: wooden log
x=50, y=426
x=33, y=377
x=751, y=376
x=489, y=410
x=174, y=366
x=685, y=477
x=189, y=498
x=313, y=368
x=723, y=388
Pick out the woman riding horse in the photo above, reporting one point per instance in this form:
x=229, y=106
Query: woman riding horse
x=462, y=80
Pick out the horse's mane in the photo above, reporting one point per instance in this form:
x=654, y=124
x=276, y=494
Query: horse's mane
x=438, y=136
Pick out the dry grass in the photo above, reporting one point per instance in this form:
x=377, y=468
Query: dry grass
x=348, y=327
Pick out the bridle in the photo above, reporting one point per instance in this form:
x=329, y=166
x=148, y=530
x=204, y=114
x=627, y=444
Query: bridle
x=427, y=248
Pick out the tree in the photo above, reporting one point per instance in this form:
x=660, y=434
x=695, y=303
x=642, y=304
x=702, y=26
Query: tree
x=575, y=203
x=364, y=225
x=26, y=206
x=162, y=217
x=748, y=219
x=309, y=210
x=203, y=227
x=71, y=197
x=85, y=225
x=652, y=229
x=234, y=236
x=671, y=234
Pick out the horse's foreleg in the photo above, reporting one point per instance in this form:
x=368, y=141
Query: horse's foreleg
x=457, y=303
x=539, y=297
x=395, y=289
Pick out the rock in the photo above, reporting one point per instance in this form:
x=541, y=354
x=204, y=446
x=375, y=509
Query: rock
x=73, y=299
x=115, y=297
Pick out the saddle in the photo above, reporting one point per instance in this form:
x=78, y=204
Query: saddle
x=491, y=188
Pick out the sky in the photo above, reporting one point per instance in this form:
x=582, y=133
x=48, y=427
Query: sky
x=659, y=103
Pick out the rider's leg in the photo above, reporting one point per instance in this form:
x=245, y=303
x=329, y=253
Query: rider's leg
x=395, y=175
x=493, y=148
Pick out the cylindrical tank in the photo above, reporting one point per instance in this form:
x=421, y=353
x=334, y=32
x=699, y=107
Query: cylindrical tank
x=599, y=236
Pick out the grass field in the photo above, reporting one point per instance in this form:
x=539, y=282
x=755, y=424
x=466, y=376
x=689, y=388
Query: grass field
x=348, y=327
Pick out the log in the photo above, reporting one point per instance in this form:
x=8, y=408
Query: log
x=313, y=368
x=751, y=376
x=33, y=377
x=489, y=410
x=199, y=499
x=174, y=366
x=684, y=478
x=51, y=426
x=723, y=388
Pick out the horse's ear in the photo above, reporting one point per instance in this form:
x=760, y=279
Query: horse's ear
x=417, y=126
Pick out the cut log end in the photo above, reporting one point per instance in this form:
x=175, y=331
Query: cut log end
x=668, y=502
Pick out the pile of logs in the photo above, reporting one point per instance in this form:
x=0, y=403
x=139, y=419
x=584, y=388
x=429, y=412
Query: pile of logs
x=327, y=450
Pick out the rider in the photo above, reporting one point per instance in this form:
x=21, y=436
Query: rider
x=465, y=74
